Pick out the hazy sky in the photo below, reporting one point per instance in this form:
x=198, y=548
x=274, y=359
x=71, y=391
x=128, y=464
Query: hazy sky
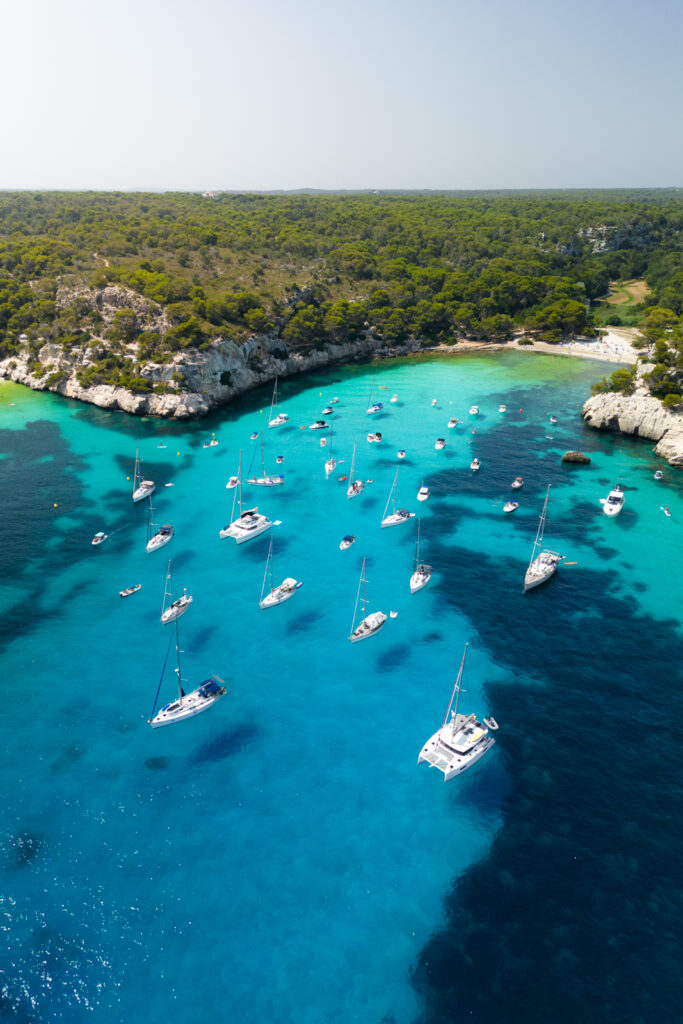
x=395, y=94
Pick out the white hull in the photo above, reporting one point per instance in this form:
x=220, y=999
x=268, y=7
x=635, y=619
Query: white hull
x=279, y=595
x=368, y=626
x=143, y=491
x=250, y=524
x=355, y=488
x=158, y=541
x=266, y=481
x=188, y=706
x=436, y=753
x=541, y=569
x=175, y=610
x=419, y=580
x=422, y=497
x=395, y=519
x=330, y=466
x=278, y=420
x=612, y=510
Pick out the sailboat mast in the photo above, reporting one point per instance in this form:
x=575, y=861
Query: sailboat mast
x=268, y=568
x=167, y=587
x=355, y=609
x=177, y=651
x=263, y=461
x=541, y=524
x=136, y=473
x=417, y=547
x=456, y=689
x=150, y=522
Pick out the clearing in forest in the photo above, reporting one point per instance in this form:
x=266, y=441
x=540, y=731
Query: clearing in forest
x=627, y=293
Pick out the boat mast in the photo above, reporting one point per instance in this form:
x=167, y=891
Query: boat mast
x=417, y=547
x=541, y=527
x=353, y=464
x=167, y=588
x=263, y=461
x=268, y=567
x=181, y=692
x=360, y=583
x=273, y=404
x=150, y=522
x=136, y=474
x=456, y=691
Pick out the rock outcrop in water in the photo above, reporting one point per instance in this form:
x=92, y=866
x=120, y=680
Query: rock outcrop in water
x=640, y=415
x=578, y=457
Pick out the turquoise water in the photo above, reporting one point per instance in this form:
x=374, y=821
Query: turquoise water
x=282, y=857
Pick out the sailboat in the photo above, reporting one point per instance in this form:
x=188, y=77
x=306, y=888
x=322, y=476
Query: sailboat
x=264, y=480
x=250, y=523
x=176, y=608
x=161, y=536
x=141, y=488
x=374, y=406
x=355, y=486
x=331, y=464
x=276, y=595
x=461, y=741
x=422, y=573
x=190, y=704
x=543, y=563
x=275, y=418
x=369, y=624
x=400, y=515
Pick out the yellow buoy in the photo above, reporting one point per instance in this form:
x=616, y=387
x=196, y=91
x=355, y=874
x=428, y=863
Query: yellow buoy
x=55, y=505
x=177, y=453
x=127, y=478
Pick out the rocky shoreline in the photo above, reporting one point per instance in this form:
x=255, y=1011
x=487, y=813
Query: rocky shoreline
x=640, y=415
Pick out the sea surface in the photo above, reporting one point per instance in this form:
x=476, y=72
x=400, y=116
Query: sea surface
x=282, y=857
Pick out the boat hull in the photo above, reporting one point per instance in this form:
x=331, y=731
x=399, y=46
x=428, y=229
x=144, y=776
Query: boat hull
x=175, y=610
x=419, y=580
x=187, y=706
x=158, y=541
x=143, y=492
x=279, y=595
x=396, y=519
x=369, y=626
x=457, y=763
x=540, y=571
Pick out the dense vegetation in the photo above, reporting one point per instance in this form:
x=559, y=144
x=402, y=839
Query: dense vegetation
x=314, y=269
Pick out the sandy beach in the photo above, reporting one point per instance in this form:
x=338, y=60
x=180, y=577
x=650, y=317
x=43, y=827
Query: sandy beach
x=613, y=347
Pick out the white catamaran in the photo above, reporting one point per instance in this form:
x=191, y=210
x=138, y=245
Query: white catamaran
x=187, y=705
x=396, y=516
x=249, y=523
x=422, y=573
x=264, y=480
x=270, y=595
x=355, y=486
x=141, y=488
x=157, y=539
x=543, y=562
x=275, y=418
x=461, y=741
x=173, y=611
x=369, y=624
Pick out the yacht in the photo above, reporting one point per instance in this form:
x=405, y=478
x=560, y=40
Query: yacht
x=502, y=408
x=401, y=453
x=346, y=542
x=327, y=410
x=355, y=486
x=161, y=536
x=461, y=741
x=141, y=488
x=658, y=474
x=276, y=595
x=249, y=523
x=369, y=624
x=397, y=515
x=394, y=399
x=232, y=482
x=99, y=538
x=614, y=502
x=266, y=479
x=319, y=425
x=475, y=464
x=440, y=444
x=543, y=562
x=173, y=611
x=374, y=406
x=423, y=493
x=186, y=705
x=275, y=418
x=422, y=573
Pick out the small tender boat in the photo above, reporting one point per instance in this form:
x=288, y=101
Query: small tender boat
x=130, y=590
x=658, y=475
x=501, y=408
x=440, y=444
x=319, y=425
x=474, y=410
x=252, y=437
x=370, y=438
x=452, y=422
x=490, y=723
x=475, y=464
x=517, y=483
x=614, y=502
x=99, y=538
x=423, y=493
x=333, y=401
x=510, y=506
x=280, y=459
x=394, y=398
x=232, y=482
x=327, y=410
x=378, y=438
x=401, y=453
x=346, y=542
x=666, y=510
x=323, y=442
x=433, y=401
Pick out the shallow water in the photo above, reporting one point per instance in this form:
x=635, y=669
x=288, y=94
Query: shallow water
x=284, y=849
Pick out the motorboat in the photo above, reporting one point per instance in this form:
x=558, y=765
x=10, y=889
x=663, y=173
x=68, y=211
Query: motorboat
x=614, y=502
x=502, y=408
x=474, y=410
x=333, y=401
x=394, y=399
x=553, y=419
x=127, y=591
x=658, y=475
x=171, y=612
x=397, y=515
x=319, y=425
x=543, y=562
x=517, y=483
x=423, y=493
x=433, y=401
x=401, y=453
x=370, y=439
x=369, y=624
x=461, y=741
x=279, y=459
x=210, y=444
x=475, y=465
x=252, y=437
x=99, y=538
x=270, y=595
x=186, y=705
x=232, y=482
x=141, y=488
x=440, y=444
x=453, y=422
x=327, y=410
x=378, y=438
x=275, y=418
x=422, y=573
x=510, y=506
x=355, y=486
x=346, y=542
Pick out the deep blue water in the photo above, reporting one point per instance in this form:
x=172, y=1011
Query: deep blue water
x=282, y=857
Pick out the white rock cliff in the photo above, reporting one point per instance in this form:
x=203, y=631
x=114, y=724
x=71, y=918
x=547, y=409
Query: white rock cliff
x=641, y=415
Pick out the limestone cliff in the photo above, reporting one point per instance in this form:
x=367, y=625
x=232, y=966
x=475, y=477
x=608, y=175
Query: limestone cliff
x=641, y=415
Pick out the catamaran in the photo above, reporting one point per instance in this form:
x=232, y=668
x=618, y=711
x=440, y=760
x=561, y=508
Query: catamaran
x=275, y=418
x=369, y=624
x=176, y=608
x=461, y=741
x=543, y=562
x=355, y=486
x=265, y=480
x=397, y=515
x=270, y=595
x=422, y=573
x=190, y=704
x=141, y=488
x=249, y=523
x=161, y=536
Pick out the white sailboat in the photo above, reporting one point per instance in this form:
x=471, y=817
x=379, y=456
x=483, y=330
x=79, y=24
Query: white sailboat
x=396, y=516
x=141, y=488
x=265, y=480
x=187, y=705
x=422, y=573
x=461, y=741
x=249, y=523
x=270, y=595
x=175, y=608
x=275, y=418
x=543, y=562
x=374, y=406
x=161, y=536
x=355, y=486
x=369, y=624
x=330, y=464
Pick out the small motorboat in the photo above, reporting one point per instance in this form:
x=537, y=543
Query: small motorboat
x=161, y=446
x=346, y=542
x=342, y=478
x=440, y=444
x=99, y=538
x=475, y=464
x=169, y=485
x=333, y=401
x=401, y=453
x=501, y=408
x=510, y=506
x=130, y=590
x=393, y=615
x=319, y=425
x=252, y=437
x=614, y=502
x=232, y=482
x=474, y=410
x=517, y=483
x=433, y=401
x=394, y=398
x=553, y=419
x=378, y=438
x=323, y=442
x=280, y=459
x=658, y=475
x=371, y=439
x=423, y=493
x=210, y=444
x=327, y=410
x=452, y=422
